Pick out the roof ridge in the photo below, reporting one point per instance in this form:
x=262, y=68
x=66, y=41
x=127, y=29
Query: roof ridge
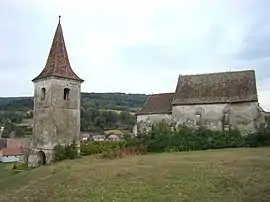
x=215, y=73
x=161, y=93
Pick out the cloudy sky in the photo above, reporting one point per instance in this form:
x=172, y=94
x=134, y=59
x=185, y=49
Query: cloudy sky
x=135, y=46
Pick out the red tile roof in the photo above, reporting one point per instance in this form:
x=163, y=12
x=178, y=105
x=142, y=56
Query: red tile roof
x=12, y=151
x=58, y=64
x=158, y=104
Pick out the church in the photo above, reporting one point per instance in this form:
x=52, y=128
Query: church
x=218, y=101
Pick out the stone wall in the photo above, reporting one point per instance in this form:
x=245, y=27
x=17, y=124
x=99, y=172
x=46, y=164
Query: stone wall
x=144, y=122
x=56, y=120
x=267, y=116
x=243, y=116
x=35, y=157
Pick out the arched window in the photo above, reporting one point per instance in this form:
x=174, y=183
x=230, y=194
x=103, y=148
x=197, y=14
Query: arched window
x=66, y=93
x=43, y=93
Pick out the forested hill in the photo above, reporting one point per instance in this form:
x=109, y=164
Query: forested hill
x=114, y=101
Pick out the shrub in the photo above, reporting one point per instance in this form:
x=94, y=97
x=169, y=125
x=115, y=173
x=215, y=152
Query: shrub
x=163, y=138
x=97, y=147
x=62, y=152
x=20, y=166
x=113, y=149
x=260, y=139
x=127, y=151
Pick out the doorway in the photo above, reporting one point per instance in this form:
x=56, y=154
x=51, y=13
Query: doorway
x=41, y=158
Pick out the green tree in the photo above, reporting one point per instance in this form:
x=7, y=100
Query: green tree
x=100, y=121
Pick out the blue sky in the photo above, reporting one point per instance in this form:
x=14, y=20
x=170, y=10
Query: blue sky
x=135, y=46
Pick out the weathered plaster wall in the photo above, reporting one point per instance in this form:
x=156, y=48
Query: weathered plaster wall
x=267, y=116
x=56, y=120
x=144, y=122
x=244, y=116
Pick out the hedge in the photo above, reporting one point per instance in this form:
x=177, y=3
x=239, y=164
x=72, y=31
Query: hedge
x=162, y=138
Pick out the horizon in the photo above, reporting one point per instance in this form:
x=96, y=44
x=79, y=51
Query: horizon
x=114, y=49
x=25, y=96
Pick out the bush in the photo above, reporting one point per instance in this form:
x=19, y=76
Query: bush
x=163, y=138
x=97, y=147
x=113, y=149
x=119, y=153
x=260, y=139
x=65, y=152
x=21, y=166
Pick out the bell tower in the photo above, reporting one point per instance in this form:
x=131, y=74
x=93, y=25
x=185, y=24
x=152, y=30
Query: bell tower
x=57, y=98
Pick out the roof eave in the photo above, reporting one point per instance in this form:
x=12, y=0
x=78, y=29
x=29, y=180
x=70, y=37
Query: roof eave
x=152, y=113
x=63, y=77
x=216, y=102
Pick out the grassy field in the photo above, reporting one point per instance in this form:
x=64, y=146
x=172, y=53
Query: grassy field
x=219, y=175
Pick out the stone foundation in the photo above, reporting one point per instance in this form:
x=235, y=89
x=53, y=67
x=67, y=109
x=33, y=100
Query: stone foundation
x=36, y=158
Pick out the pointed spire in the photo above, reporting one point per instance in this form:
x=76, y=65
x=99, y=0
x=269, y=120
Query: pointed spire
x=58, y=64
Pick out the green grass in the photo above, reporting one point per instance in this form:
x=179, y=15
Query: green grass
x=5, y=170
x=219, y=175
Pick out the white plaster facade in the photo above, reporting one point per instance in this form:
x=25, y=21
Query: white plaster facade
x=11, y=158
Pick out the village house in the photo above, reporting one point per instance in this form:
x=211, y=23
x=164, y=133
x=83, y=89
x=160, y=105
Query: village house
x=113, y=137
x=84, y=136
x=217, y=101
x=8, y=155
x=98, y=137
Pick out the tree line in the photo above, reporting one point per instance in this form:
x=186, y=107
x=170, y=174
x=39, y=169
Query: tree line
x=99, y=120
x=99, y=112
x=115, y=101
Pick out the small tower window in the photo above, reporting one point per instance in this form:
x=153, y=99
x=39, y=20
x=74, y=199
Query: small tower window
x=66, y=93
x=43, y=93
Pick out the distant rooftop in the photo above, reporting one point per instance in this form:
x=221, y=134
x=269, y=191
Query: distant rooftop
x=158, y=104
